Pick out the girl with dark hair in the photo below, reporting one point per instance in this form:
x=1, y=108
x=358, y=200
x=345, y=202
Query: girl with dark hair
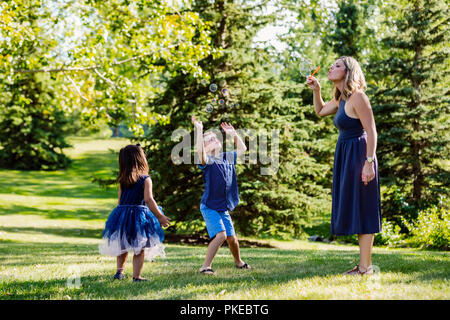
x=135, y=224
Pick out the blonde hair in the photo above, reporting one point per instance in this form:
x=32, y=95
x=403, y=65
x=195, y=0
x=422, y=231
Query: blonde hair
x=354, y=78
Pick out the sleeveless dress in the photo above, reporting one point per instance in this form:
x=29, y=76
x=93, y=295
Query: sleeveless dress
x=132, y=226
x=356, y=208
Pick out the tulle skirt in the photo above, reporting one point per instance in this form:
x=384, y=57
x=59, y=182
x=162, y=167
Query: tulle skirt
x=132, y=228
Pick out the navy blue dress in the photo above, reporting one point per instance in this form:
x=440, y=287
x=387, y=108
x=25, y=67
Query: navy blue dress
x=131, y=226
x=356, y=208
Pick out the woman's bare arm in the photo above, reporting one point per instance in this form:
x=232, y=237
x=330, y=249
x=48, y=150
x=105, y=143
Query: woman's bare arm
x=321, y=108
x=363, y=109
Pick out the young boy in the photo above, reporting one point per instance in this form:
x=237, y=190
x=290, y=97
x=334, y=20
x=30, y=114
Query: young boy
x=221, y=193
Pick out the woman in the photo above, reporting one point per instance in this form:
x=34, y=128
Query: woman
x=356, y=205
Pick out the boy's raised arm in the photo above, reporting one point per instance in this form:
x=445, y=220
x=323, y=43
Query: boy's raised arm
x=198, y=131
x=240, y=145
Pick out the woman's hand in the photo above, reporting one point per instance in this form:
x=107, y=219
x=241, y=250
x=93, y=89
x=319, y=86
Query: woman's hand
x=313, y=83
x=368, y=172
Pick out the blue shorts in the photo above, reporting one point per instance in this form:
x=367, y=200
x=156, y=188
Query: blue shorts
x=217, y=221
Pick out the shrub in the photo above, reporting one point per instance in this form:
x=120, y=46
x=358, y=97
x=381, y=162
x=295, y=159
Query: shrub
x=431, y=229
x=390, y=235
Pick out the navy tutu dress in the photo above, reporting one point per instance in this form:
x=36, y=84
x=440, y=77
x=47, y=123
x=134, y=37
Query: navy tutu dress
x=356, y=208
x=131, y=226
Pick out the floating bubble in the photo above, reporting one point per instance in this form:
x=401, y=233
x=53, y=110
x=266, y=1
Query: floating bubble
x=305, y=67
x=213, y=87
x=213, y=101
x=221, y=102
x=224, y=92
x=231, y=105
x=204, y=82
x=209, y=108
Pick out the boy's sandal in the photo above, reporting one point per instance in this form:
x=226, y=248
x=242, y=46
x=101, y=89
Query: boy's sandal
x=207, y=271
x=119, y=276
x=244, y=266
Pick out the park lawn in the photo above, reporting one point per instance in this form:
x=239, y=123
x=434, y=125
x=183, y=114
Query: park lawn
x=51, y=224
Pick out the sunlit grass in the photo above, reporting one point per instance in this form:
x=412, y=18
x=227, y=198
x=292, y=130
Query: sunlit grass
x=51, y=224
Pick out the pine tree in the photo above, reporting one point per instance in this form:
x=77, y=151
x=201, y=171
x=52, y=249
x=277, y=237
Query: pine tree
x=411, y=108
x=279, y=204
x=344, y=37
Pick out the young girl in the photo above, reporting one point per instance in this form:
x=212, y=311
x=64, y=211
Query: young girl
x=135, y=224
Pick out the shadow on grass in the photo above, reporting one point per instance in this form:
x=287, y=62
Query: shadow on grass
x=177, y=276
x=64, y=232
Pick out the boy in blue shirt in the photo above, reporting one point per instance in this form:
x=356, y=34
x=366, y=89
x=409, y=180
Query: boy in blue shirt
x=221, y=192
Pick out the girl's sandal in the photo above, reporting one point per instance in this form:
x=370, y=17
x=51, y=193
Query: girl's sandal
x=207, y=271
x=244, y=266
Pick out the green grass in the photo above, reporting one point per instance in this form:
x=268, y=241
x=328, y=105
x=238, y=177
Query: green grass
x=51, y=224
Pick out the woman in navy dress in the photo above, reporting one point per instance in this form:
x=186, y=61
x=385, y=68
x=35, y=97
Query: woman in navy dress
x=356, y=204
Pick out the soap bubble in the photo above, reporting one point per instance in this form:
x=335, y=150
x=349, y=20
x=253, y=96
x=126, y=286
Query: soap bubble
x=209, y=108
x=213, y=101
x=224, y=92
x=221, y=102
x=305, y=67
x=213, y=87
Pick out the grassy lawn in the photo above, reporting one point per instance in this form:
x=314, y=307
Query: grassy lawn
x=51, y=224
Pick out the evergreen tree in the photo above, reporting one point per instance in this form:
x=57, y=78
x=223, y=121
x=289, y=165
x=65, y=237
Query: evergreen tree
x=273, y=204
x=411, y=108
x=347, y=29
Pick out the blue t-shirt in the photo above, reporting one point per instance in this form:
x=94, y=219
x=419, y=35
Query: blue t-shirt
x=219, y=174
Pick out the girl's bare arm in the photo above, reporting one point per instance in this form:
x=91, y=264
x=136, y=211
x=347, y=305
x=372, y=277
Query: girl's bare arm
x=151, y=203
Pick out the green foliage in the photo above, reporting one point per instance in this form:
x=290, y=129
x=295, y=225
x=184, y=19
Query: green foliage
x=32, y=123
x=431, y=229
x=347, y=31
x=104, y=59
x=390, y=235
x=411, y=105
x=396, y=205
x=276, y=205
x=33, y=128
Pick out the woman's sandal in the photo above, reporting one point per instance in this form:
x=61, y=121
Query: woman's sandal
x=139, y=279
x=207, y=271
x=244, y=266
x=357, y=271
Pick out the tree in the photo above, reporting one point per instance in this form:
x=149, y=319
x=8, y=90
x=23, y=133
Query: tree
x=32, y=124
x=344, y=37
x=259, y=100
x=411, y=107
x=104, y=57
